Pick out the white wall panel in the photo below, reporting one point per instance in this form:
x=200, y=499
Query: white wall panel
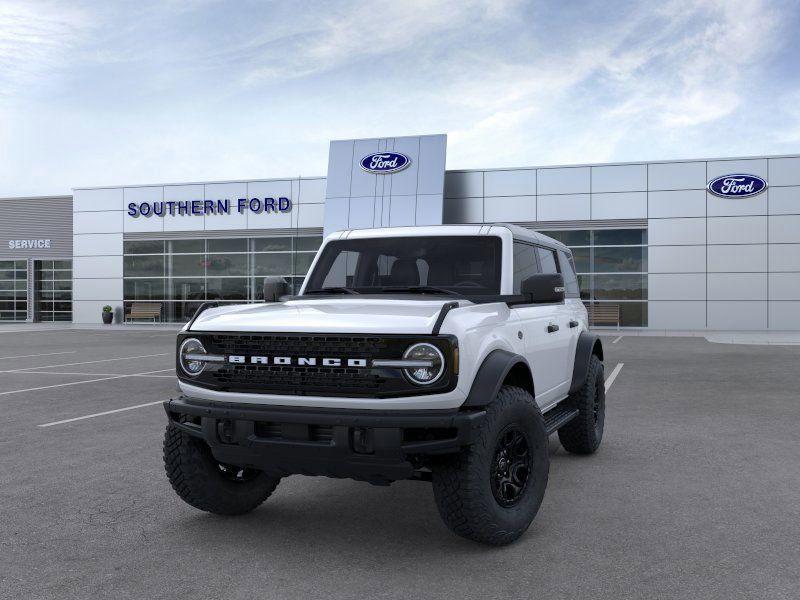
x=737, y=316
x=312, y=191
x=683, y=286
x=676, y=176
x=664, y=314
x=564, y=180
x=737, y=258
x=737, y=286
x=567, y=207
x=336, y=214
x=363, y=183
x=619, y=178
x=362, y=212
x=97, y=222
x=463, y=210
x=784, y=229
x=463, y=185
x=621, y=205
x=272, y=189
x=784, y=257
x=784, y=200
x=102, y=290
x=721, y=207
x=676, y=259
x=757, y=166
x=432, y=157
x=784, y=315
x=784, y=171
x=509, y=209
x=91, y=267
x=737, y=230
x=404, y=183
x=677, y=203
x=97, y=244
x=99, y=199
x=402, y=210
x=226, y=191
x=676, y=232
x=310, y=215
x=784, y=286
x=521, y=182
x=89, y=311
x=429, y=209
x=340, y=160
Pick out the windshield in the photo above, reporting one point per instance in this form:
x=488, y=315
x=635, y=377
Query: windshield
x=465, y=265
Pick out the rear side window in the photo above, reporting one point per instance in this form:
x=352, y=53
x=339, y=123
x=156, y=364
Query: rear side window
x=571, y=287
x=547, y=260
x=525, y=264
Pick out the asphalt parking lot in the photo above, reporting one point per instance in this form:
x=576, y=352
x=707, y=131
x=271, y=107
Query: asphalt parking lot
x=694, y=493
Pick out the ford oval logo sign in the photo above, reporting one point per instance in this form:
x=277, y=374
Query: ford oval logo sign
x=737, y=186
x=384, y=163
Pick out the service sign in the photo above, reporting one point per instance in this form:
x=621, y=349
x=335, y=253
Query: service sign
x=385, y=163
x=737, y=186
x=28, y=244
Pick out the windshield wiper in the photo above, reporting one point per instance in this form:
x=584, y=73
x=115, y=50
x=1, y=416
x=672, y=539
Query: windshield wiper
x=419, y=289
x=331, y=290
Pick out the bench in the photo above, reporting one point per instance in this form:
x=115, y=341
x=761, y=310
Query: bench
x=144, y=310
x=603, y=314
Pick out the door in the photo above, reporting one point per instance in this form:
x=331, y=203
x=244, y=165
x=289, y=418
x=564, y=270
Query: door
x=545, y=327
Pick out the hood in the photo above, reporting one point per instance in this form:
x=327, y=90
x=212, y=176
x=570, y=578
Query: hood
x=334, y=315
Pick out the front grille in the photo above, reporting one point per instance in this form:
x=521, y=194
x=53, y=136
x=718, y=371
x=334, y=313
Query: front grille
x=315, y=380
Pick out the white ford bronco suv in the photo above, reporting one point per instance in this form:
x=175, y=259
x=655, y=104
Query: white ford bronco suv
x=446, y=354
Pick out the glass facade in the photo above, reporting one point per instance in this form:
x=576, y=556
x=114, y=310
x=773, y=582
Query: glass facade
x=13, y=290
x=181, y=274
x=612, y=270
x=54, y=290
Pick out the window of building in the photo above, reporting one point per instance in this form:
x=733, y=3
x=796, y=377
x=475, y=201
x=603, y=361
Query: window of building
x=611, y=267
x=54, y=290
x=13, y=290
x=182, y=274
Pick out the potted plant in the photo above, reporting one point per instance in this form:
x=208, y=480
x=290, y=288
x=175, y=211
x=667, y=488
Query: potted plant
x=108, y=314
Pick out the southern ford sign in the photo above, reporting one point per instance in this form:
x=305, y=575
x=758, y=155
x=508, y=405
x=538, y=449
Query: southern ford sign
x=737, y=186
x=385, y=163
x=209, y=207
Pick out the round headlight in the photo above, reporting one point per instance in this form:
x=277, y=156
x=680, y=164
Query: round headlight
x=426, y=353
x=187, y=357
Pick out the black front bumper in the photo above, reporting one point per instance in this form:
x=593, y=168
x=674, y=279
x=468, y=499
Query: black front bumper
x=375, y=446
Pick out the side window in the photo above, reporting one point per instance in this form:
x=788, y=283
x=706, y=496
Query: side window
x=525, y=264
x=547, y=258
x=570, y=279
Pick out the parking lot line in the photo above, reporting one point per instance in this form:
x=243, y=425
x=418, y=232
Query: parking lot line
x=35, y=355
x=47, y=387
x=100, y=414
x=616, y=340
x=613, y=375
x=94, y=374
x=86, y=362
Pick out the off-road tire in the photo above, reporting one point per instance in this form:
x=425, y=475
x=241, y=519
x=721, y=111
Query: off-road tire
x=200, y=481
x=584, y=433
x=462, y=483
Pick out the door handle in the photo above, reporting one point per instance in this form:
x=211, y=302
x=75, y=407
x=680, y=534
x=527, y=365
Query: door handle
x=552, y=328
x=573, y=323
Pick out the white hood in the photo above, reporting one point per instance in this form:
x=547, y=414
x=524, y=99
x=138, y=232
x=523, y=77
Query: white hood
x=334, y=315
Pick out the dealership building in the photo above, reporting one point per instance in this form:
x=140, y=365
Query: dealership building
x=681, y=245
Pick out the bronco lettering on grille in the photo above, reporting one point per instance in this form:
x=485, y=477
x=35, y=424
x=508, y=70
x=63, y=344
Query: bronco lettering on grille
x=297, y=361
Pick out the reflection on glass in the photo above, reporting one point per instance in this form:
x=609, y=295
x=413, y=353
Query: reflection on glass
x=276, y=244
x=272, y=264
x=307, y=243
x=226, y=264
x=620, y=287
x=232, y=245
x=620, y=237
x=143, y=266
x=620, y=260
x=143, y=247
x=187, y=265
x=186, y=246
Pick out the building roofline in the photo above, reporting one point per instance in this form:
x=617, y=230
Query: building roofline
x=176, y=183
x=56, y=197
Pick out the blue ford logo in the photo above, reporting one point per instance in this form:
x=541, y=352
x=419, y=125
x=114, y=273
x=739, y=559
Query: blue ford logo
x=737, y=186
x=384, y=163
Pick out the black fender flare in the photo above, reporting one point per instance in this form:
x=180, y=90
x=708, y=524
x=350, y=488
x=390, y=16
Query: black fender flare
x=491, y=375
x=588, y=344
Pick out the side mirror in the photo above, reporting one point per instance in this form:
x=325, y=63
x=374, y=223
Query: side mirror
x=274, y=288
x=544, y=288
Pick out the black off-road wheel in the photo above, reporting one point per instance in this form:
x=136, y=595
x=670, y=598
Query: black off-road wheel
x=584, y=433
x=203, y=482
x=491, y=491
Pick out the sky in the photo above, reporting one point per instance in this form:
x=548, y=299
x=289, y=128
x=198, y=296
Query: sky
x=110, y=93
